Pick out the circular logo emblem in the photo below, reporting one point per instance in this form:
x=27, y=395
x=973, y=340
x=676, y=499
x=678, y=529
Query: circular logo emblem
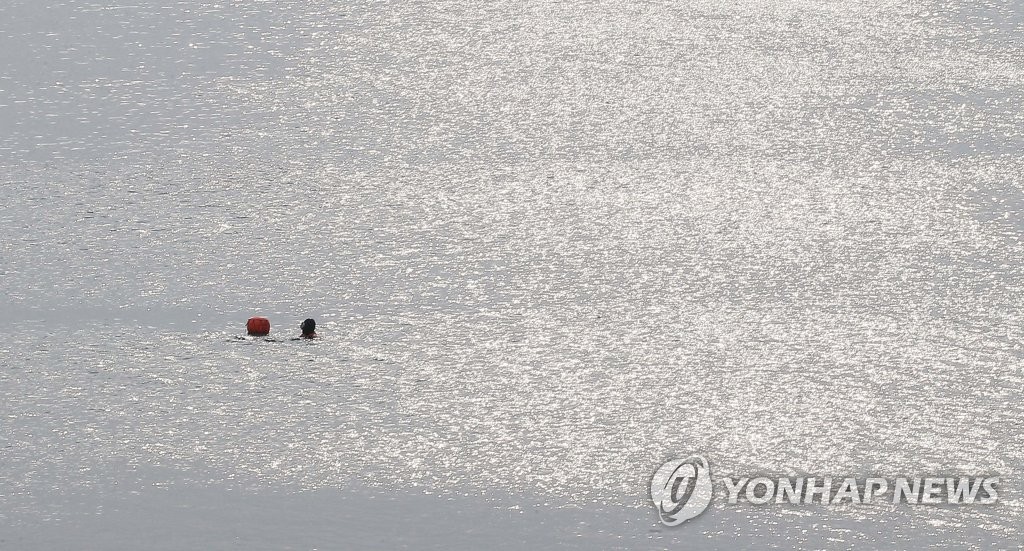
x=681, y=489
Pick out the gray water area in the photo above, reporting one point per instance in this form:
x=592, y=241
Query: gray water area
x=548, y=245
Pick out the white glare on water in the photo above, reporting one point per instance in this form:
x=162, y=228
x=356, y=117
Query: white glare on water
x=548, y=245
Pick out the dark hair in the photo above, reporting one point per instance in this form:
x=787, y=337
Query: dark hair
x=308, y=326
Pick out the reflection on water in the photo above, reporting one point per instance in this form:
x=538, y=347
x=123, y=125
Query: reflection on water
x=550, y=245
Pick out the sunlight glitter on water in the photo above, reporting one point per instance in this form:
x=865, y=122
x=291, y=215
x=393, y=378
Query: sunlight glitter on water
x=550, y=244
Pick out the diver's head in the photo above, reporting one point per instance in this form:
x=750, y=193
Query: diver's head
x=308, y=327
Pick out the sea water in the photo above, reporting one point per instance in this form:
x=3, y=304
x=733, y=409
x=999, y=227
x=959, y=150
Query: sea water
x=548, y=245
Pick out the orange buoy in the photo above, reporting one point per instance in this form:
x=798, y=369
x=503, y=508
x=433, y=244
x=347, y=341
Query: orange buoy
x=258, y=327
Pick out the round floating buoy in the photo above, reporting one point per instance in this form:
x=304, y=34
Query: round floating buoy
x=258, y=327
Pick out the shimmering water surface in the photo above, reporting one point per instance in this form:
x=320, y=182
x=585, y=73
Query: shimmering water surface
x=549, y=246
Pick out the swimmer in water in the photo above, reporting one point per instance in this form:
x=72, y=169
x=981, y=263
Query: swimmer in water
x=308, y=328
